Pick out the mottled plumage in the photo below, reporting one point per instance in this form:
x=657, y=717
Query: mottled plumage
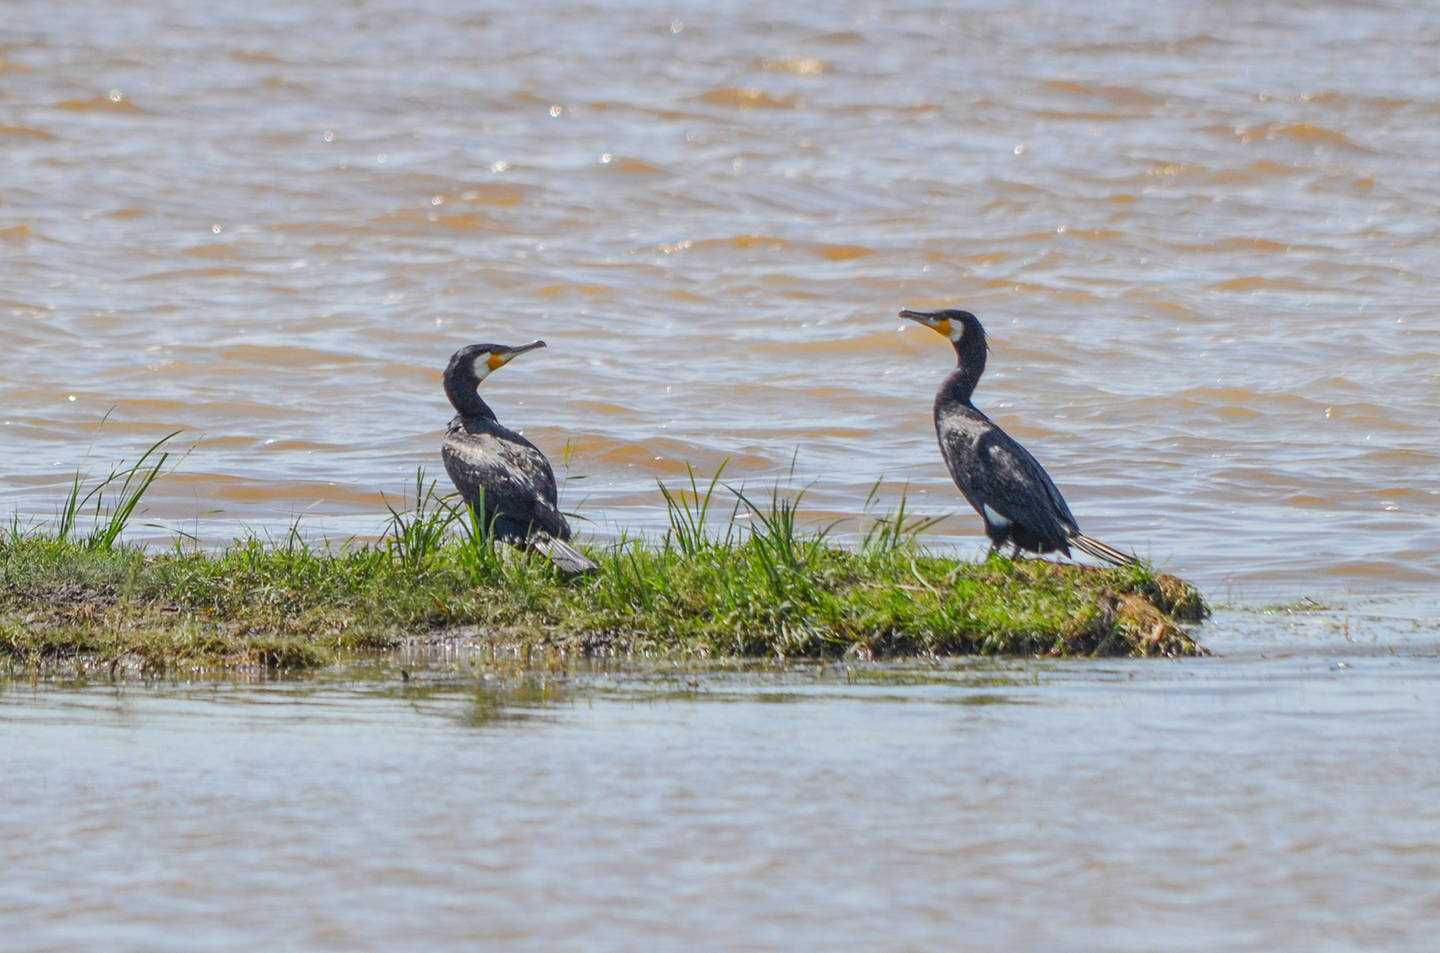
x=504, y=476
x=1008, y=487
x=497, y=471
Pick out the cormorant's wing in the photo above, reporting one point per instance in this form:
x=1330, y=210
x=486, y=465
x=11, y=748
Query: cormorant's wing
x=516, y=479
x=1015, y=485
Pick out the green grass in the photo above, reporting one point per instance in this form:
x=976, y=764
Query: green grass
x=753, y=582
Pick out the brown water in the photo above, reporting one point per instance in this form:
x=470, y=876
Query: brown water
x=1281, y=797
x=1203, y=236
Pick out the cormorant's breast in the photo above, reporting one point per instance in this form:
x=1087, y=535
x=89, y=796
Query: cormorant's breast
x=961, y=428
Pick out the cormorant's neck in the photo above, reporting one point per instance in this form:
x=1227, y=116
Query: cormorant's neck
x=461, y=387
x=969, y=365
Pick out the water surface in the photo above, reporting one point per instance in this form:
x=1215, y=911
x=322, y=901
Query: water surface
x=1281, y=797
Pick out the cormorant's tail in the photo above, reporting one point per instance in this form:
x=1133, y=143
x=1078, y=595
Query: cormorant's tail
x=1103, y=550
x=566, y=558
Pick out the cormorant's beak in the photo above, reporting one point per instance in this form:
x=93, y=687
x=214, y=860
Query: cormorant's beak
x=931, y=319
x=500, y=358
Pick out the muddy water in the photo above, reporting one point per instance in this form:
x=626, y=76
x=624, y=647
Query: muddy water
x=1204, y=237
x=1280, y=797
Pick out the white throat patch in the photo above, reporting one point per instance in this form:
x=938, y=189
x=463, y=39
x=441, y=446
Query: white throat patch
x=481, y=366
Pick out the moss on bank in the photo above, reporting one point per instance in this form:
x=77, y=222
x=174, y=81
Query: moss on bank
x=295, y=607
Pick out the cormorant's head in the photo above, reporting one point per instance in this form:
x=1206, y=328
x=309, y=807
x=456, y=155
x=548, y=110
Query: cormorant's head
x=478, y=360
x=961, y=327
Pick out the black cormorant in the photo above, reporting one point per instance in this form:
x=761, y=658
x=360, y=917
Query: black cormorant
x=1008, y=488
x=500, y=473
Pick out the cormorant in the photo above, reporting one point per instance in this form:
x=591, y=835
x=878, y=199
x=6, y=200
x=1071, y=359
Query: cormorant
x=500, y=473
x=1008, y=488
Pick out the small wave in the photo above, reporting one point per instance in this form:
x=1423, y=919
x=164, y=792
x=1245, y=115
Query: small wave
x=151, y=406
x=255, y=56
x=215, y=250
x=1262, y=246
x=1255, y=171
x=564, y=288
x=1254, y=283
x=26, y=132
x=1238, y=413
x=1073, y=295
x=798, y=435
x=664, y=456
x=1362, y=414
x=841, y=38
x=1194, y=42
x=227, y=442
x=1402, y=493
x=17, y=234
x=631, y=166
x=740, y=242
x=1386, y=570
x=460, y=222
x=770, y=243
x=1310, y=501
x=1407, y=458
x=1170, y=170
x=1302, y=132
x=747, y=98
x=979, y=259
x=114, y=102
x=178, y=273
x=290, y=355
x=280, y=82
x=831, y=392
x=653, y=112
x=409, y=375
x=1127, y=95
x=491, y=194
x=221, y=486
x=842, y=252
x=1089, y=234
x=603, y=407
x=302, y=446
x=25, y=309
x=453, y=221
x=876, y=342
x=1063, y=115
x=1244, y=396
x=1332, y=97
x=795, y=66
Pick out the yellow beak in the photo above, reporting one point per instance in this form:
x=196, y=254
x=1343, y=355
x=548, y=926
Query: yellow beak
x=938, y=325
x=500, y=358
